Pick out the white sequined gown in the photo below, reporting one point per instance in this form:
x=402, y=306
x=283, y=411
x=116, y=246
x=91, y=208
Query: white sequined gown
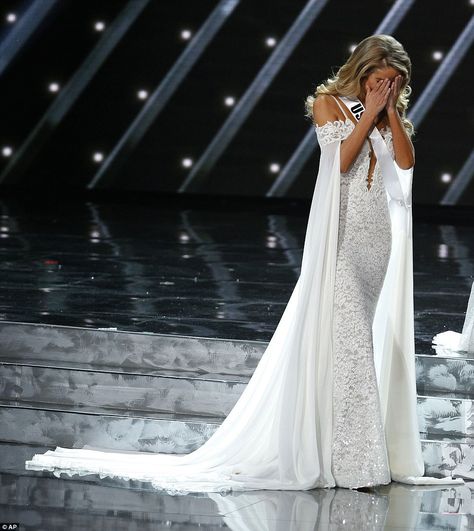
x=359, y=452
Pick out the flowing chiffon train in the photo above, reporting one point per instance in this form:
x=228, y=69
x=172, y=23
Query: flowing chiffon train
x=279, y=434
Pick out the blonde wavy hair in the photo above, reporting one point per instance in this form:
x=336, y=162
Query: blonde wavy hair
x=372, y=53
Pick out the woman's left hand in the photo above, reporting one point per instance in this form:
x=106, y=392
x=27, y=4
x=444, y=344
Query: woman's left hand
x=391, y=104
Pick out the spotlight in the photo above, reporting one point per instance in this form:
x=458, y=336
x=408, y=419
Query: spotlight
x=11, y=18
x=142, y=94
x=272, y=241
x=53, y=87
x=229, y=101
x=187, y=162
x=99, y=26
x=446, y=177
x=186, y=34
x=437, y=55
x=184, y=237
x=7, y=151
x=352, y=47
x=274, y=167
x=270, y=42
x=98, y=156
x=443, y=250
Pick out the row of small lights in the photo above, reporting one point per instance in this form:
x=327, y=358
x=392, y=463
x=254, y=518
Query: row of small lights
x=185, y=34
x=187, y=162
x=229, y=101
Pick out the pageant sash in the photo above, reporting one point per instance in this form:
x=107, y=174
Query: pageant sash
x=397, y=183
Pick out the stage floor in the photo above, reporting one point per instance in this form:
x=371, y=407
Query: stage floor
x=216, y=273
x=201, y=272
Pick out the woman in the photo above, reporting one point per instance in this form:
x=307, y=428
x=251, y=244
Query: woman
x=310, y=415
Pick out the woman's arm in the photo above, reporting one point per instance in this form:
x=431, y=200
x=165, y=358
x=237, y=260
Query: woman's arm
x=324, y=109
x=402, y=145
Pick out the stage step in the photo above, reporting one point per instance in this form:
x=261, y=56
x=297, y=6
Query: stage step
x=146, y=390
x=109, y=348
x=67, y=386
x=73, y=427
x=177, y=392
x=62, y=346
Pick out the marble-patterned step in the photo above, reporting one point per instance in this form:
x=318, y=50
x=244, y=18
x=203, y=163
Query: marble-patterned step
x=63, y=346
x=133, y=390
x=35, y=424
x=26, y=341
x=445, y=372
x=445, y=416
x=180, y=392
x=76, y=426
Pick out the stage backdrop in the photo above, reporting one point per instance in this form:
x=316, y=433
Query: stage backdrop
x=207, y=97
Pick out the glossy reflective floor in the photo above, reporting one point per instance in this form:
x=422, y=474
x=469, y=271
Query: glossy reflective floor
x=189, y=271
x=200, y=272
x=48, y=503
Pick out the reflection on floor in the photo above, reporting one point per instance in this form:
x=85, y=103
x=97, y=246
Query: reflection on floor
x=41, y=501
x=211, y=274
x=193, y=272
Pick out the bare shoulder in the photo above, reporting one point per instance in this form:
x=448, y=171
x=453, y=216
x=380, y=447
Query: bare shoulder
x=325, y=109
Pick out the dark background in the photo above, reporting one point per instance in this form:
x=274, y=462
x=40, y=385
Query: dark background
x=57, y=154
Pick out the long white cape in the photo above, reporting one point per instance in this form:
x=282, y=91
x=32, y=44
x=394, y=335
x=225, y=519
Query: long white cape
x=279, y=433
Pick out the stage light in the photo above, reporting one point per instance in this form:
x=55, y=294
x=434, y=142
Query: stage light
x=352, y=47
x=443, y=250
x=437, y=55
x=186, y=34
x=142, y=94
x=7, y=151
x=274, y=167
x=446, y=177
x=11, y=18
x=98, y=156
x=471, y=2
x=229, y=101
x=99, y=26
x=53, y=87
x=272, y=241
x=270, y=42
x=187, y=163
x=184, y=237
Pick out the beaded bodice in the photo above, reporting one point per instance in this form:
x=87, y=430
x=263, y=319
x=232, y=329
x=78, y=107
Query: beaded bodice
x=358, y=172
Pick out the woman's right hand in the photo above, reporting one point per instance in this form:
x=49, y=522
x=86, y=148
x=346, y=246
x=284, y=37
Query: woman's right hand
x=375, y=99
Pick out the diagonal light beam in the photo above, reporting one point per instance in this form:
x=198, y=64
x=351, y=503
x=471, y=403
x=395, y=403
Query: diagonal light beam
x=306, y=147
x=214, y=150
x=71, y=92
x=157, y=101
x=23, y=30
x=460, y=182
x=442, y=75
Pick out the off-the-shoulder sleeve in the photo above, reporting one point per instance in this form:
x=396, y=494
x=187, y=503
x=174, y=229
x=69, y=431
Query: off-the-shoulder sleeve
x=331, y=132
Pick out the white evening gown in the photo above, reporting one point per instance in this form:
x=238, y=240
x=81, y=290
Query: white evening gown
x=459, y=342
x=282, y=433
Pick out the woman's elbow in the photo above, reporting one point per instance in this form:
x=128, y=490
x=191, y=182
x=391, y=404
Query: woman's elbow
x=407, y=165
